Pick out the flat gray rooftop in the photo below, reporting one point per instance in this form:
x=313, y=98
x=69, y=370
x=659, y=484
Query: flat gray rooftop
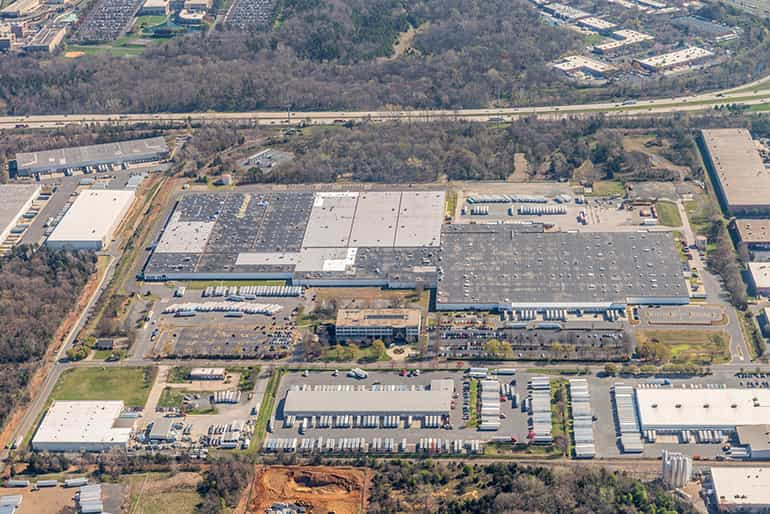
x=742, y=175
x=375, y=219
x=78, y=156
x=13, y=197
x=523, y=266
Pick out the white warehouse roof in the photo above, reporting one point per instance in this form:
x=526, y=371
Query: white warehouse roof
x=745, y=488
x=702, y=409
x=76, y=425
x=368, y=402
x=92, y=219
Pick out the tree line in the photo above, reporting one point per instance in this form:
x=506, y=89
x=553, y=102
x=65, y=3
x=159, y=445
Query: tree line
x=37, y=291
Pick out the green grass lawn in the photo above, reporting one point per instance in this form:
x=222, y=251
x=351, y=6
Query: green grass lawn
x=691, y=346
x=174, y=398
x=473, y=402
x=132, y=385
x=608, y=188
x=668, y=214
x=266, y=410
x=352, y=353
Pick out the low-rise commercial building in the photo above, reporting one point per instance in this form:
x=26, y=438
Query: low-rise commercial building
x=760, y=277
x=754, y=233
x=742, y=181
x=47, y=39
x=677, y=59
x=386, y=324
x=622, y=38
x=741, y=489
x=578, y=64
x=19, y=8
x=207, y=374
x=81, y=426
x=83, y=157
x=155, y=8
x=91, y=221
x=596, y=24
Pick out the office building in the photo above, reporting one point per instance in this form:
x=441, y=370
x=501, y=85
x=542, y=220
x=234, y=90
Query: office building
x=387, y=324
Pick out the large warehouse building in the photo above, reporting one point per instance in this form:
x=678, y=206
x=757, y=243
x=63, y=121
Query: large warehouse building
x=515, y=267
x=15, y=200
x=91, y=221
x=81, y=426
x=742, y=181
x=397, y=400
x=670, y=410
x=82, y=157
x=386, y=238
x=738, y=489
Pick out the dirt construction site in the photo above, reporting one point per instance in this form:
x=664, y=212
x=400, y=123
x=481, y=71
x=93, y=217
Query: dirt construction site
x=322, y=489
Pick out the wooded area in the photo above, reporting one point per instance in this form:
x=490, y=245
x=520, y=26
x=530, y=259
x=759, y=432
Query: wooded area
x=37, y=290
x=327, y=55
x=402, y=486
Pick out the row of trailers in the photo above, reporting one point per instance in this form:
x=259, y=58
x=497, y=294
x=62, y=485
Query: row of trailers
x=248, y=291
x=349, y=421
x=431, y=445
x=582, y=419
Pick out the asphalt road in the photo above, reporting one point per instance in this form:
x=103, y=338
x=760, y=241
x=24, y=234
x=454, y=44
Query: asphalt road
x=741, y=95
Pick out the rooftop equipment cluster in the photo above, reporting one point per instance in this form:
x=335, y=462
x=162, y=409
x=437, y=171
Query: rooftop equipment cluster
x=582, y=419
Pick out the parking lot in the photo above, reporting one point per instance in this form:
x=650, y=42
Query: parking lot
x=215, y=334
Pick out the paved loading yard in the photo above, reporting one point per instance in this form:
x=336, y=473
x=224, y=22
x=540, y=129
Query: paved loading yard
x=516, y=422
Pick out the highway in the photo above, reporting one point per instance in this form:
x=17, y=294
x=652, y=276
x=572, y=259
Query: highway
x=745, y=95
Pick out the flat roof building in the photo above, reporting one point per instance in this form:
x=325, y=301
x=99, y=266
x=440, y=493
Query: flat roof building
x=673, y=409
x=375, y=238
x=155, y=8
x=77, y=426
x=756, y=438
x=596, y=24
x=738, y=489
x=742, y=181
x=677, y=59
x=19, y=8
x=387, y=324
x=91, y=221
x=580, y=64
x=755, y=233
x=79, y=157
x=513, y=267
x=207, y=374
x=47, y=39
x=162, y=430
x=622, y=38
x=15, y=200
x=760, y=277
x=395, y=400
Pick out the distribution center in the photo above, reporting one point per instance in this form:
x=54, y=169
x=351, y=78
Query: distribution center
x=91, y=221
